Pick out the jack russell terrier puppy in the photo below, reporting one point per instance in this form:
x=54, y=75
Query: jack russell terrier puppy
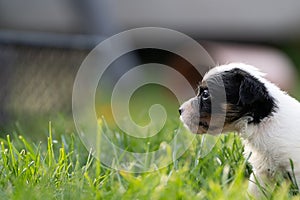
x=266, y=118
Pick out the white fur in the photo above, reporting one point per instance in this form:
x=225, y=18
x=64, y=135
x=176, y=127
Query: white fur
x=276, y=139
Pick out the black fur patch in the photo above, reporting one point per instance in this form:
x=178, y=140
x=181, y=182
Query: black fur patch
x=245, y=94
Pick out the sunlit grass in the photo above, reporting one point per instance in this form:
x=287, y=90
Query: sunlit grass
x=61, y=168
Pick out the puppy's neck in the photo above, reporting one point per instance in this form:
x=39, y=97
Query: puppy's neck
x=244, y=128
x=286, y=115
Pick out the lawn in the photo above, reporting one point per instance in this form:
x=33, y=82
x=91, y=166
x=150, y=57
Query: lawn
x=62, y=168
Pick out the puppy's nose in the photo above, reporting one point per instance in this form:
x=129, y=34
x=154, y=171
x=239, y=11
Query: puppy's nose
x=180, y=111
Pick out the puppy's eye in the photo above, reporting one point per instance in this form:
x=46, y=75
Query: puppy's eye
x=205, y=95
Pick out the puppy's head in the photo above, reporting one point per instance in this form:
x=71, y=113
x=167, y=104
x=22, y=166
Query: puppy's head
x=228, y=94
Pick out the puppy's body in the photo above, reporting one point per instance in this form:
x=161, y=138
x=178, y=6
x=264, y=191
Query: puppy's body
x=275, y=140
x=266, y=118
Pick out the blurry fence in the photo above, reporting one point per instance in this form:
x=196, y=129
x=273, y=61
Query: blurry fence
x=36, y=81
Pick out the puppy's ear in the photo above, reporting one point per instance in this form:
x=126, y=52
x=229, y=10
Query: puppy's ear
x=251, y=90
x=249, y=93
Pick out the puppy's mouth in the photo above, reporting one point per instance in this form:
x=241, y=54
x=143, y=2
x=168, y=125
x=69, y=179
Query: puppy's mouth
x=203, y=126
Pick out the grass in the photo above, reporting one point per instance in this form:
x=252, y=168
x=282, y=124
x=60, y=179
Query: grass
x=62, y=168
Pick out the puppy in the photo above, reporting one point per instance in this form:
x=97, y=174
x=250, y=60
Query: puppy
x=266, y=118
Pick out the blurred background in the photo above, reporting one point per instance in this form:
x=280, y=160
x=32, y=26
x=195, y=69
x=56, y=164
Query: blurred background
x=43, y=43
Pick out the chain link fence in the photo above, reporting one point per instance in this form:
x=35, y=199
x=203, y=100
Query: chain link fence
x=36, y=82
